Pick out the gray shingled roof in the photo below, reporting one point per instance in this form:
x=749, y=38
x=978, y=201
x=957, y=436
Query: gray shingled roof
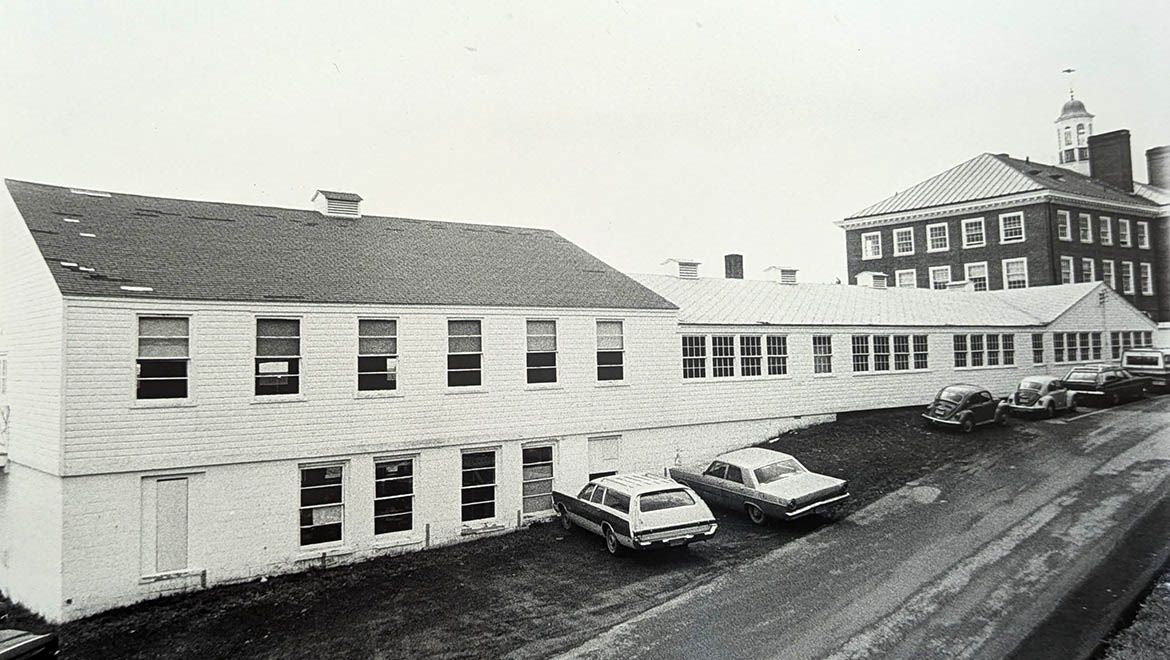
x=719, y=301
x=988, y=176
x=214, y=251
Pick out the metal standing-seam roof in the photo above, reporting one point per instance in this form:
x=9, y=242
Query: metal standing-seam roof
x=98, y=243
x=988, y=176
x=718, y=301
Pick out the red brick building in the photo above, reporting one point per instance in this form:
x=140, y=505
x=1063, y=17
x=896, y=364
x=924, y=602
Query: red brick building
x=998, y=222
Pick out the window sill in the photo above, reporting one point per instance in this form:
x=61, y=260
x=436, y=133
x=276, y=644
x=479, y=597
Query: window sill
x=871, y=258
x=279, y=398
x=172, y=575
x=470, y=389
x=903, y=254
x=482, y=529
x=976, y=245
x=611, y=383
x=378, y=394
x=149, y=404
x=986, y=367
x=324, y=553
x=737, y=379
x=543, y=388
x=828, y=375
x=935, y=250
x=887, y=372
x=399, y=540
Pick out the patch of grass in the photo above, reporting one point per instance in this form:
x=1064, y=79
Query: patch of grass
x=1148, y=637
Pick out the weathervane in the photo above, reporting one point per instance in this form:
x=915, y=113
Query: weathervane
x=1069, y=72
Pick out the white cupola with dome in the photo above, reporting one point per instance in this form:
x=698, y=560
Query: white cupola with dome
x=1073, y=128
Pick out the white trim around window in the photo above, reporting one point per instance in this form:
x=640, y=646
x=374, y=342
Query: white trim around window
x=906, y=278
x=1143, y=234
x=936, y=280
x=976, y=274
x=1127, y=277
x=1146, y=273
x=899, y=238
x=1088, y=269
x=944, y=242
x=1109, y=273
x=1068, y=270
x=1085, y=227
x=1064, y=225
x=1015, y=273
x=1105, y=229
x=1011, y=227
x=1123, y=237
x=871, y=245
x=977, y=238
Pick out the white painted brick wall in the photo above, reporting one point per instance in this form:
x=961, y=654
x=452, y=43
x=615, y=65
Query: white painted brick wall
x=30, y=539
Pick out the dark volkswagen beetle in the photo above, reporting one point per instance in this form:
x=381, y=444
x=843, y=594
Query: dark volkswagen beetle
x=964, y=407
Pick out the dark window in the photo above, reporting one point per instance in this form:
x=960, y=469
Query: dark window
x=722, y=356
x=163, y=357
x=777, y=355
x=881, y=352
x=750, y=356
x=278, y=356
x=479, y=485
x=393, y=496
x=542, y=351
x=538, y=479
x=610, y=351
x=322, y=504
x=694, y=350
x=734, y=474
x=920, y=352
x=464, y=354
x=716, y=469
x=377, y=355
x=616, y=500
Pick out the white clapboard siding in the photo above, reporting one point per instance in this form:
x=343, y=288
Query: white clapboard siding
x=31, y=332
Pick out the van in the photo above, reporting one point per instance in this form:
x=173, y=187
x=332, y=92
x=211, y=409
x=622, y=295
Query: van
x=1152, y=362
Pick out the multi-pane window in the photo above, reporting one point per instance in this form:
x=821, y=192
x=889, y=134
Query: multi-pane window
x=1123, y=232
x=973, y=233
x=920, y=352
x=322, y=504
x=871, y=245
x=164, y=353
x=1085, y=224
x=881, y=352
x=1143, y=234
x=901, y=352
x=1038, y=347
x=1088, y=269
x=822, y=354
x=1108, y=274
x=977, y=350
x=1076, y=346
x=610, y=351
x=478, y=492
x=1146, y=275
x=723, y=356
x=777, y=354
x=1127, y=276
x=464, y=353
x=1095, y=338
x=906, y=279
x=750, y=355
x=393, y=496
x=1064, y=225
x=904, y=241
x=976, y=274
x=538, y=479
x=542, y=351
x=938, y=238
x=1105, y=229
x=1015, y=273
x=1067, y=275
x=861, y=352
x=939, y=276
x=278, y=356
x=377, y=363
x=1058, y=347
x=1011, y=228
x=694, y=351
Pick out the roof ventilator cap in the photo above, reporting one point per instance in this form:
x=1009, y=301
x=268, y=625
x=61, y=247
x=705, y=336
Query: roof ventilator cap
x=338, y=204
x=787, y=274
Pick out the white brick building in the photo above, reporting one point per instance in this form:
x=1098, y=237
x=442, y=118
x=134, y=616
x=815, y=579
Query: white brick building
x=198, y=393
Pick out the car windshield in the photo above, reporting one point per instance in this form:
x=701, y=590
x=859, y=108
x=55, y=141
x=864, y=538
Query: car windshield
x=1081, y=377
x=778, y=470
x=664, y=499
x=1031, y=385
x=1141, y=360
x=952, y=395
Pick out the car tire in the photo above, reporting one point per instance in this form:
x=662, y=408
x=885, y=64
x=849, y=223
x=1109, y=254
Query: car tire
x=1001, y=418
x=566, y=522
x=755, y=514
x=612, y=545
x=1114, y=399
x=967, y=425
x=1050, y=410
x=1072, y=405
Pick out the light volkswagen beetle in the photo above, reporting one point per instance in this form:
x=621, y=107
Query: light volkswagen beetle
x=764, y=484
x=1042, y=394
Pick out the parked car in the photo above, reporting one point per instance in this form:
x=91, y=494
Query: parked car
x=1151, y=362
x=1105, y=383
x=637, y=511
x=964, y=407
x=1041, y=394
x=24, y=645
x=764, y=484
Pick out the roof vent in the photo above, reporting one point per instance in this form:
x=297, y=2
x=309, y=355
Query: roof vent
x=787, y=273
x=871, y=279
x=688, y=269
x=338, y=204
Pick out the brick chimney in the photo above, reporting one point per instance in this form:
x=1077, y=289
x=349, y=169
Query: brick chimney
x=733, y=266
x=1109, y=159
x=1158, y=166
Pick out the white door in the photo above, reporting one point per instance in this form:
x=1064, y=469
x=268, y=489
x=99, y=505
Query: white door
x=171, y=530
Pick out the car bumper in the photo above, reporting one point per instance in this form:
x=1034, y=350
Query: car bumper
x=811, y=508
x=1016, y=408
x=672, y=541
x=935, y=420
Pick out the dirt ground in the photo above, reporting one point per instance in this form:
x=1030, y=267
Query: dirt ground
x=528, y=594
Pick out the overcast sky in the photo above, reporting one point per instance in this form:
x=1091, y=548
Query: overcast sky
x=638, y=130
